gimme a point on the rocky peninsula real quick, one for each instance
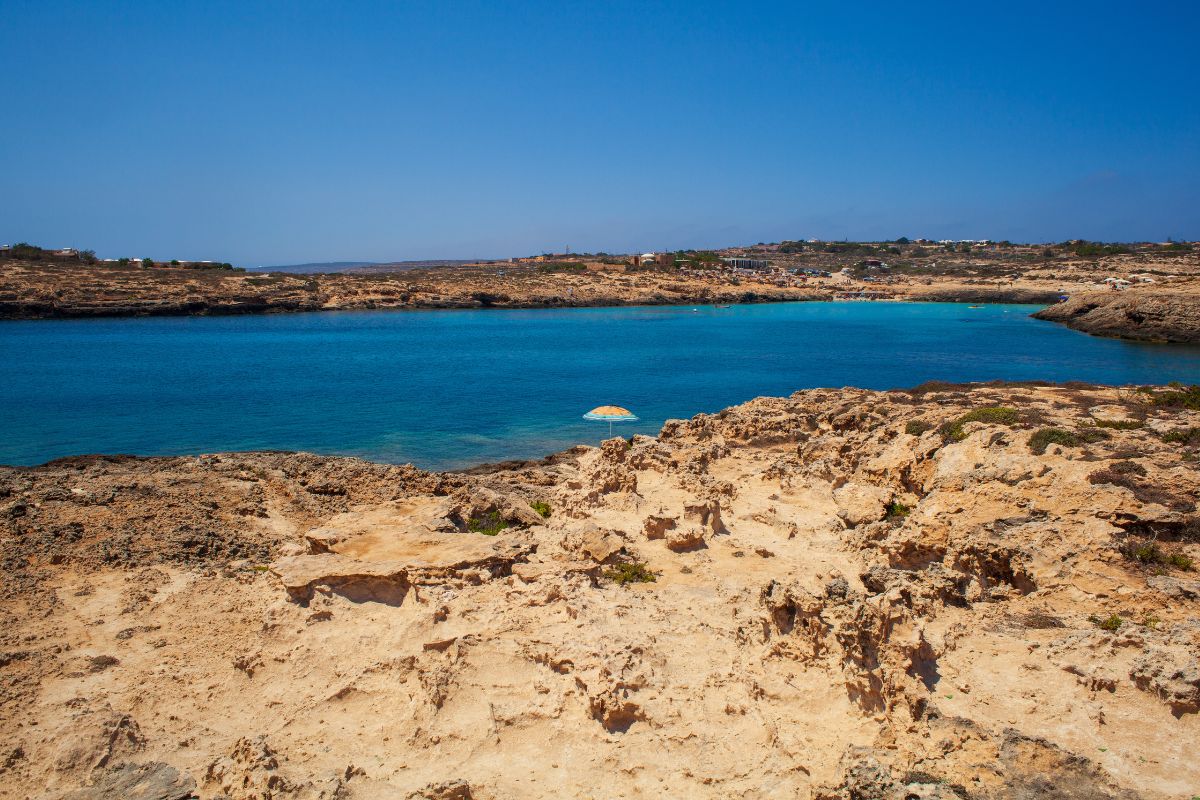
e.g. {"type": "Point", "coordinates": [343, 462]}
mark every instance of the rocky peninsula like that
{"type": "Point", "coordinates": [1148, 315]}
{"type": "Point", "coordinates": [954, 591]}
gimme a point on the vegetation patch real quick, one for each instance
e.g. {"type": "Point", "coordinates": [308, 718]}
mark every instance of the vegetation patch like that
{"type": "Point", "coordinates": [1111, 623]}
{"type": "Point", "coordinates": [1184, 436]}
{"type": "Point", "coordinates": [562, 266]}
{"type": "Point", "coordinates": [488, 524]}
{"type": "Point", "coordinates": [897, 511]}
{"type": "Point", "coordinates": [1177, 396]}
{"type": "Point", "coordinates": [541, 507]}
{"type": "Point", "coordinates": [630, 572]}
{"type": "Point", "coordinates": [991, 415]}
{"type": "Point", "coordinates": [917, 427]}
{"type": "Point", "coordinates": [1044, 437]}
{"type": "Point", "coordinates": [1120, 424]}
{"type": "Point", "coordinates": [1149, 553]}
{"type": "Point", "coordinates": [1040, 620]}
{"type": "Point", "coordinates": [1126, 468]}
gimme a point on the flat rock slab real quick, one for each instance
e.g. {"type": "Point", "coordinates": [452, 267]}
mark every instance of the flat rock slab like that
{"type": "Point", "coordinates": [382, 567]}
{"type": "Point", "coordinates": [151, 781]}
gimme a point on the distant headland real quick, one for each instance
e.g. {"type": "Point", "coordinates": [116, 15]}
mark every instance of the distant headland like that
{"type": "Point", "coordinates": [1148, 291]}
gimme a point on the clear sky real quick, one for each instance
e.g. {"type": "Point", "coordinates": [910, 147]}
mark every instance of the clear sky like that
{"type": "Point", "coordinates": [275, 133]}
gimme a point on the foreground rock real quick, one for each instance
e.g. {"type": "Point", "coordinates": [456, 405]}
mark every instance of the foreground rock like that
{"type": "Point", "coordinates": [954, 591]}
{"type": "Point", "coordinates": [1162, 316]}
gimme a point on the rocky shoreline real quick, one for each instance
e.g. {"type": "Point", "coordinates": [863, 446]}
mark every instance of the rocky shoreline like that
{"type": "Point", "coordinates": [981, 591]}
{"type": "Point", "coordinates": [1145, 315]}
{"type": "Point", "coordinates": [30, 291]}
{"type": "Point", "coordinates": [36, 291]}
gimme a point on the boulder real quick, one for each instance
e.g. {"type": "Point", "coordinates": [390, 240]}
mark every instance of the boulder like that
{"type": "Point", "coordinates": [859, 503]}
{"type": "Point", "coordinates": [683, 539]}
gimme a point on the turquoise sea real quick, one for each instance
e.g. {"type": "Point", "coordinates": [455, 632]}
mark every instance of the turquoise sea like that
{"type": "Point", "coordinates": [446, 389]}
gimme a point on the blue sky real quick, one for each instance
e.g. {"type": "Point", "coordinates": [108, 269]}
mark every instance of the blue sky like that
{"type": "Point", "coordinates": [271, 133]}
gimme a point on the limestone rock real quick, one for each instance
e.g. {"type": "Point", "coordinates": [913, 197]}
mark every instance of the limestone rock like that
{"type": "Point", "coordinates": [683, 539]}
{"type": "Point", "coordinates": [152, 780]}
{"type": "Point", "coordinates": [859, 503]}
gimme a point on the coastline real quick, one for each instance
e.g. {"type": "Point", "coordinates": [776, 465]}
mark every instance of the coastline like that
{"type": "Point", "coordinates": [32, 311]}
{"type": "Point", "coordinates": [1150, 316]}
{"type": "Point", "coordinates": [893, 553]}
{"type": "Point", "coordinates": [37, 291]}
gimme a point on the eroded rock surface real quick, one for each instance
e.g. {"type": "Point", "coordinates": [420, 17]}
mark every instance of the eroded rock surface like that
{"type": "Point", "coordinates": [839, 594]}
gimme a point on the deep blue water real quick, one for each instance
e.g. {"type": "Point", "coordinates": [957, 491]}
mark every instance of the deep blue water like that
{"type": "Point", "coordinates": [444, 389]}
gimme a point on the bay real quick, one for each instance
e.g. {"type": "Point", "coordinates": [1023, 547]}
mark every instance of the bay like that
{"type": "Point", "coordinates": [447, 389]}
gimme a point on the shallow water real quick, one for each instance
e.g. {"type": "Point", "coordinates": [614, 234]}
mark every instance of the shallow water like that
{"type": "Point", "coordinates": [446, 389]}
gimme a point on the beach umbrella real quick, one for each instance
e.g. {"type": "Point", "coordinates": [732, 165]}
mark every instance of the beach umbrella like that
{"type": "Point", "coordinates": [610, 414]}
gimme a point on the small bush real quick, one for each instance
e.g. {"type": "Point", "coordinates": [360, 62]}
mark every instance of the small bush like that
{"type": "Point", "coordinates": [897, 511]}
{"type": "Point", "coordinates": [541, 507]}
{"type": "Point", "coordinates": [1150, 554]}
{"type": "Point", "coordinates": [630, 572]}
{"type": "Point", "coordinates": [1110, 623]}
{"type": "Point", "coordinates": [917, 427]}
{"type": "Point", "coordinates": [992, 415]}
{"type": "Point", "coordinates": [1040, 620]}
{"type": "Point", "coordinates": [1179, 396]}
{"type": "Point", "coordinates": [1145, 553]}
{"type": "Point", "coordinates": [489, 524]}
{"type": "Point", "coordinates": [1044, 437]}
{"type": "Point", "coordinates": [1127, 468]}
{"type": "Point", "coordinates": [1120, 424]}
{"type": "Point", "coordinates": [1180, 561]}
{"type": "Point", "coordinates": [995, 415]}
{"type": "Point", "coordinates": [1092, 434]}
{"type": "Point", "coordinates": [1184, 436]}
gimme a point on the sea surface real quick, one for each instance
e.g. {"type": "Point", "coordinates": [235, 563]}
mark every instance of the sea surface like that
{"type": "Point", "coordinates": [447, 389]}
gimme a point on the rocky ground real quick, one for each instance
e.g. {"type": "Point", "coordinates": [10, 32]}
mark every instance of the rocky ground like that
{"type": "Point", "coordinates": [1154, 315]}
{"type": "Point", "coordinates": [981, 591]}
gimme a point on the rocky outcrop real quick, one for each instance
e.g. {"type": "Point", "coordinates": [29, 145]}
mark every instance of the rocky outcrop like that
{"type": "Point", "coordinates": [1148, 315]}
{"type": "Point", "coordinates": [841, 593]}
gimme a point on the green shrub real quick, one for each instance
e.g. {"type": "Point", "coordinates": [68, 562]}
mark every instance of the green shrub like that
{"type": "Point", "coordinates": [1185, 436]}
{"type": "Point", "coordinates": [1043, 438]}
{"type": "Point", "coordinates": [630, 572]}
{"type": "Point", "coordinates": [917, 427]}
{"type": "Point", "coordinates": [1149, 553]}
{"type": "Point", "coordinates": [1092, 434]}
{"type": "Point", "coordinates": [541, 507]}
{"type": "Point", "coordinates": [1178, 396]}
{"type": "Point", "coordinates": [1110, 623]}
{"type": "Point", "coordinates": [488, 524]}
{"type": "Point", "coordinates": [1120, 424]}
{"type": "Point", "coordinates": [992, 415]}
{"type": "Point", "coordinates": [1146, 553]}
{"type": "Point", "coordinates": [1180, 561]}
{"type": "Point", "coordinates": [897, 511]}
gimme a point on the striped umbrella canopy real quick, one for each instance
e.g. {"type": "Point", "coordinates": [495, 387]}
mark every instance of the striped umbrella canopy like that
{"type": "Point", "coordinates": [610, 414]}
